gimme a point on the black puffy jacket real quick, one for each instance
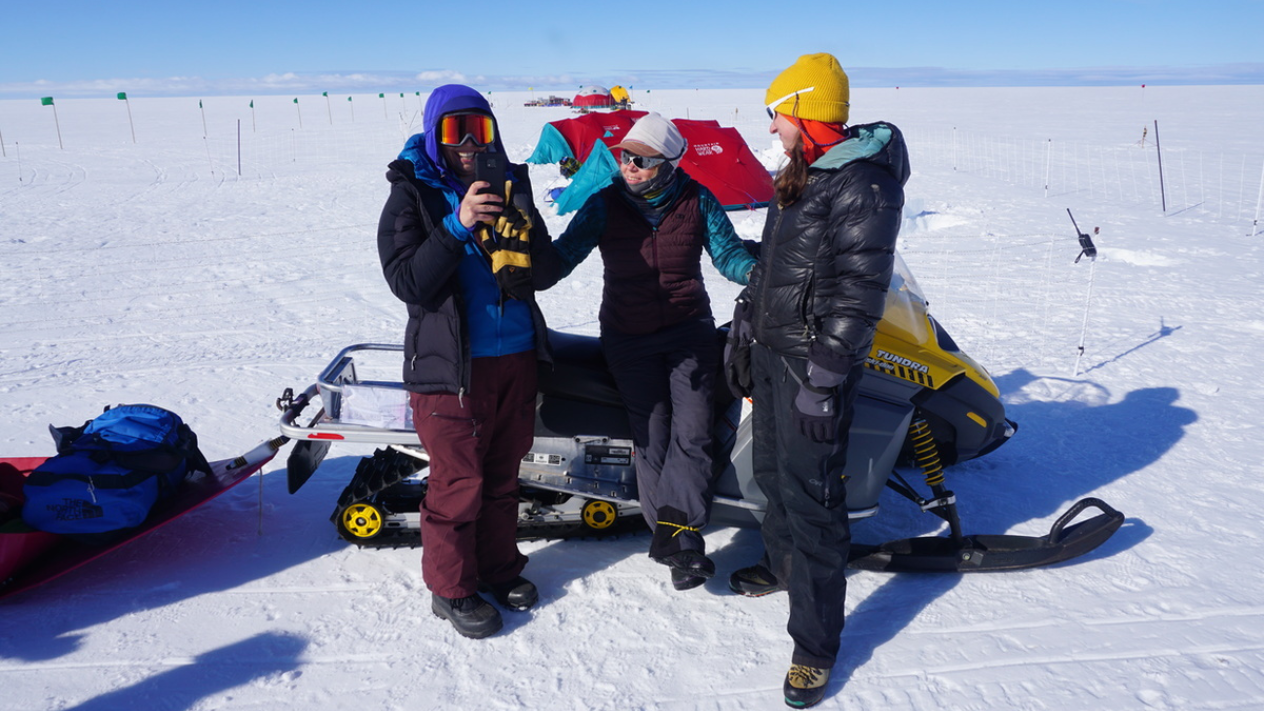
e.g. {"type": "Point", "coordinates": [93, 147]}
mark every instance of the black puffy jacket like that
{"type": "Point", "coordinates": [826, 260]}
{"type": "Point", "coordinates": [420, 259]}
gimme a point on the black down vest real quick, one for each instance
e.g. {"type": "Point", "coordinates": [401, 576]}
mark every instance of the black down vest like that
{"type": "Point", "coordinates": [653, 276]}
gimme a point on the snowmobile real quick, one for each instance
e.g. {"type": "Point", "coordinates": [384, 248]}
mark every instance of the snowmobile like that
{"type": "Point", "coordinates": [923, 405]}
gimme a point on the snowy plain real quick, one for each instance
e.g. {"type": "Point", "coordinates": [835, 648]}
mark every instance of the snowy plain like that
{"type": "Point", "coordinates": [158, 270]}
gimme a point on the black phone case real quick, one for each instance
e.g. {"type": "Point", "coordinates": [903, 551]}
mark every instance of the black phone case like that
{"type": "Point", "coordinates": [490, 167]}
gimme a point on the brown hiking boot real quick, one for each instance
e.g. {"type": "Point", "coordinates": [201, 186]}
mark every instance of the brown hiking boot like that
{"type": "Point", "coordinates": [755, 581]}
{"type": "Point", "coordinates": [804, 686]}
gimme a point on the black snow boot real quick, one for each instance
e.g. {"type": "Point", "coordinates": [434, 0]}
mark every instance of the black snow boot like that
{"type": "Point", "coordinates": [517, 594]}
{"type": "Point", "coordinates": [755, 581]}
{"type": "Point", "coordinates": [682, 580]}
{"type": "Point", "coordinates": [694, 563]}
{"type": "Point", "coordinates": [472, 616]}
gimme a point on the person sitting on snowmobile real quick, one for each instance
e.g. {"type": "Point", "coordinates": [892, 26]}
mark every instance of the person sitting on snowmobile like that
{"type": "Point", "coordinates": [461, 262]}
{"type": "Point", "coordinates": [811, 309]}
{"type": "Point", "coordinates": [657, 332]}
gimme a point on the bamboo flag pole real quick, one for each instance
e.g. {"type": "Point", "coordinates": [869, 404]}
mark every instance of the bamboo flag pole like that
{"type": "Point", "coordinates": [382, 96]}
{"type": "Point", "coordinates": [420, 110]}
{"type": "Point", "coordinates": [205, 133]}
{"type": "Point", "coordinates": [1258, 198]}
{"type": "Point", "coordinates": [122, 96]}
{"type": "Point", "coordinates": [48, 101]}
{"type": "Point", "coordinates": [352, 103]}
{"type": "Point", "coordinates": [253, 128]}
{"type": "Point", "coordinates": [1048, 162]}
{"type": "Point", "coordinates": [1159, 149]}
{"type": "Point", "coordinates": [329, 107]}
{"type": "Point", "coordinates": [300, 112]}
{"type": "Point", "coordinates": [3, 153]}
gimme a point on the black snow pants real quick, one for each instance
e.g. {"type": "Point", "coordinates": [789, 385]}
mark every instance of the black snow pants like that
{"type": "Point", "coordinates": [805, 530]}
{"type": "Point", "coordinates": [667, 382]}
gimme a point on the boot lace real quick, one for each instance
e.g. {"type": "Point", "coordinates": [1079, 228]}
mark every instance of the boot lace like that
{"type": "Point", "coordinates": [805, 677]}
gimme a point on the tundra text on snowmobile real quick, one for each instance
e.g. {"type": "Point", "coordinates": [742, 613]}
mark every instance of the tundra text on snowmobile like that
{"type": "Point", "coordinates": [923, 404]}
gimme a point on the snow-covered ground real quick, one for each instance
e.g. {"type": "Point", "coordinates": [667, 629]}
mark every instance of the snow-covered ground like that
{"type": "Point", "coordinates": [155, 272]}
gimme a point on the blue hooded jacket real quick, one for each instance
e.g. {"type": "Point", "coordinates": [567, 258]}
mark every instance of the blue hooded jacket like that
{"type": "Point", "coordinates": [496, 327]}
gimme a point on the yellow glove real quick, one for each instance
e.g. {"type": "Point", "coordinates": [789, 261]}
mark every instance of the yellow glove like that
{"type": "Point", "coordinates": [508, 242]}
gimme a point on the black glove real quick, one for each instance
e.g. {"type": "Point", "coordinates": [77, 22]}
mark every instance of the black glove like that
{"type": "Point", "coordinates": [815, 406]}
{"type": "Point", "coordinates": [737, 356]}
{"type": "Point", "coordinates": [814, 412]}
{"type": "Point", "coordinates": [508, 242]}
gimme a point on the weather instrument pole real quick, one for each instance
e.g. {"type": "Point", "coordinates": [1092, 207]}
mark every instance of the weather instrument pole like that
{"type": "Point", "coordinates": [1087, 249]}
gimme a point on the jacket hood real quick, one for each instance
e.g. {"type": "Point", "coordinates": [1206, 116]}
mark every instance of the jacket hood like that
{"type": "Point", "coordinates": [445, 100]}
{"type": "Point", "coordinates": [879, 143]}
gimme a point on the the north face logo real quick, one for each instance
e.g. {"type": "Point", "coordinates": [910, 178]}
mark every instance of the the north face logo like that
{"type": "Point", "coordinates": [75, 510]}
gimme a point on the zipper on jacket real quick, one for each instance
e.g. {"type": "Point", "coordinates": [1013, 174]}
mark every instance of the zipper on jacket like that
{"type": "Point", "coordinates": [662, 309]}
{"type": "Point", "coordinates": [763, 287]}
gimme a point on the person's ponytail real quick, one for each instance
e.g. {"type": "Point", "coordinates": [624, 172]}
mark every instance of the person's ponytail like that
{"type": "Point", "coordinates": [792, 179]}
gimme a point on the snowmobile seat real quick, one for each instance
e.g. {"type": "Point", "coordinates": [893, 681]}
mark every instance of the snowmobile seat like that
{"type": "Point", "coordinates": [579, 371]}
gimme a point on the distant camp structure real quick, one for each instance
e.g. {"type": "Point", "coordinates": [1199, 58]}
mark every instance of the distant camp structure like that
{"type": "Point", "coordinates": [592, 96]}
{"type": "Point", "coordinates": [716, 156]}
{"type": "Point", "coordinates": [621, 97]}
{"type": "Point", "coordinates": [549, 101]}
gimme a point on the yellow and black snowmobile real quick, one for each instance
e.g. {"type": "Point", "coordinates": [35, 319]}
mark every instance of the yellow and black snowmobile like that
{"type": "Point", "coordinates": [923, 405]}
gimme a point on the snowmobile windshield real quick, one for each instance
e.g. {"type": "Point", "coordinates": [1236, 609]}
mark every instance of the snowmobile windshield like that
{"type": "Point", "coordinates": [905, 315]}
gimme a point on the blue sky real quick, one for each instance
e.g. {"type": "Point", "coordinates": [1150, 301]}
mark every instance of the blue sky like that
{"type": "Point", "coordinates": [78, 48]}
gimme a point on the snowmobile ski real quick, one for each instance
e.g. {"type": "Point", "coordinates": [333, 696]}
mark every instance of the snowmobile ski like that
{"type": "Point", "coordinates": [982, 553]}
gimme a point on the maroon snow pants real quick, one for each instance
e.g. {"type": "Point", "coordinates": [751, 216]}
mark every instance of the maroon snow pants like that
{"type": "Point", "coordinates": [469, 517]}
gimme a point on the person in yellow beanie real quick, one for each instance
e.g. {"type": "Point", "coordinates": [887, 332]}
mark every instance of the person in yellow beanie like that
{"type": "Point", "coordinates": [801, 332]}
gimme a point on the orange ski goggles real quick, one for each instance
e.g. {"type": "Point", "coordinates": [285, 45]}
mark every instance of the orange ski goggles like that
{"type": "Point", "coordinates": [455, 128]}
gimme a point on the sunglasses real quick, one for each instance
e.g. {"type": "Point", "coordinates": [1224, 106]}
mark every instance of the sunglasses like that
{"type": "Point", "coordinates": [772, 114]}
{"type": "Point", "coordinates": [642, 162]}
{"type": "Point", "coordinates": [455, 128]}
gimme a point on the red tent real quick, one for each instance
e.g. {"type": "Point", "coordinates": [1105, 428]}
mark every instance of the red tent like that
{"type": "Point", "coordinates": [582, 132]}
{"type": "Point", "coordinates": [717, 157]}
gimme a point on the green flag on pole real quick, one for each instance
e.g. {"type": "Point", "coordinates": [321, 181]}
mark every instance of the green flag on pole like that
{"type": "Point", "coordinates": [325, 94]}
{"type": "Point", "coordinates": [380, 96]}
{"type": "Point", "coordinates": [122, 96]}
{"type": "Point", "coordinates": [296, 99]}
{"type": "Point", "coordinates": [348, 98]}
{"type": "Point", "coordinates": [199, 103]}
{"type": "Point", "coordinates": [252, 103]}
{"type": "Point", "coordinates": [46, 101]}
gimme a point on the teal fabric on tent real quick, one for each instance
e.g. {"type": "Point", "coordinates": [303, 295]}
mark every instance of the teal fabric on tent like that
{"type": "Point", "coordinates": [552, 147]}
{"type": "Point", "coordinates": [597, 172]}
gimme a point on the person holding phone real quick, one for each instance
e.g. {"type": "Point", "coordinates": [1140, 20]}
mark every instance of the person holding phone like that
{"type": "Point", "coordinates": [458, 252]}
{"type": "Point", "coordinates": [657, 332]}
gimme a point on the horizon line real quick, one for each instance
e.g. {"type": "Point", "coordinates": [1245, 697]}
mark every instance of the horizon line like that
{"type": "Point", "coordinates": [1243, 73]}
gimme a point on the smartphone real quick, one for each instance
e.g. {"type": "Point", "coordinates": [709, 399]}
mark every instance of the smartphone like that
{"type": "Point", "coordinates": [490, 168]}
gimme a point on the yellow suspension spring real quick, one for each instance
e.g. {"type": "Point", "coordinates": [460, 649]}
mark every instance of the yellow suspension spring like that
{"type": "Point", "coordinates": [925, 452]}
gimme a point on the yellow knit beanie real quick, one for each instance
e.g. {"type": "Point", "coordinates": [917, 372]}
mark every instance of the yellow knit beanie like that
{"type": "Point", "coordinates": [821, 86]}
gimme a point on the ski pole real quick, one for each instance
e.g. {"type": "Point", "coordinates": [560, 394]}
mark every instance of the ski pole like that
{"type": "Point", "coordinates": [1087, 249]}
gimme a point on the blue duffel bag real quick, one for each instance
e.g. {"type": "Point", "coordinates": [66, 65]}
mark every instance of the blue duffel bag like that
{"type": "Point", "coordinates": [110, 473]}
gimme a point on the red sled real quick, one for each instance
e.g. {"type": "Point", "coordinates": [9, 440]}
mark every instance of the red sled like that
{"type": "Point", "coordinates": [29, 558]}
